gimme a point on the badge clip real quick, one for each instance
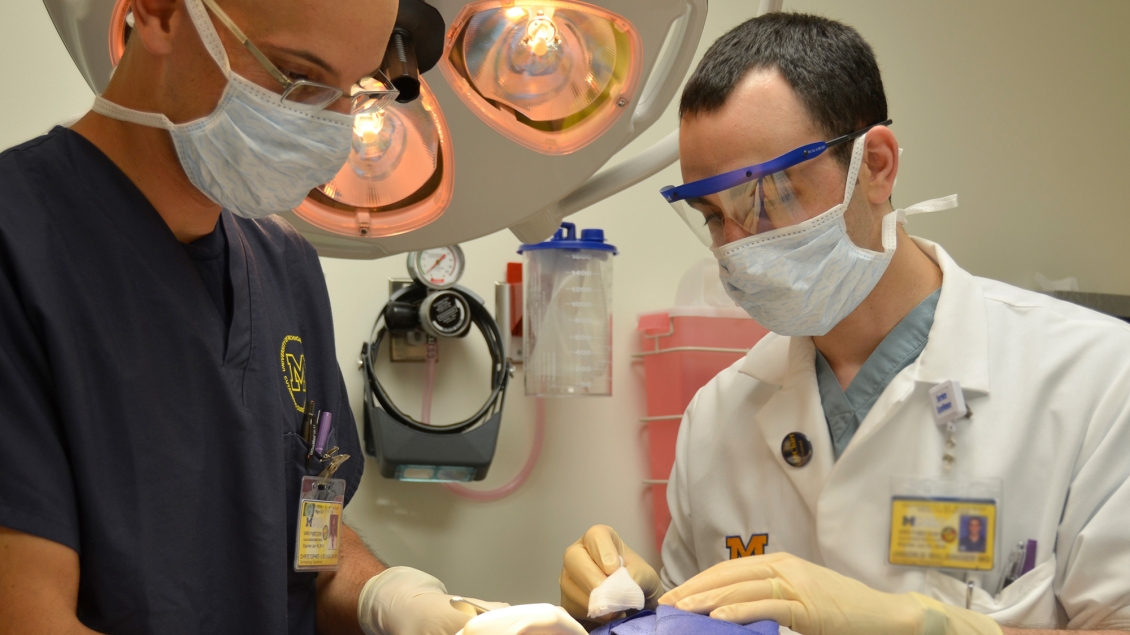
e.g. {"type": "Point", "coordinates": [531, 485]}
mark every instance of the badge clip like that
{"type": "Point", "coordinates": [335, 461]}
{"type": "Point", "coordinates": [947, 402]}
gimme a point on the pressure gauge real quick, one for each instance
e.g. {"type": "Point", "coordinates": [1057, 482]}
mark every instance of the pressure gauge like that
{"type": "Point", "coordinates": [438, 268]}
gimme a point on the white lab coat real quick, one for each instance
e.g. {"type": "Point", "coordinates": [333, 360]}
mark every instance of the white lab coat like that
{"type": "Point", "coordinates": [1049, 386]}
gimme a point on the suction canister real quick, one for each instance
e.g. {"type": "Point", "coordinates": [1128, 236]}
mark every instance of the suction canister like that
{"type": "Point", "coordinates": [567, 323]}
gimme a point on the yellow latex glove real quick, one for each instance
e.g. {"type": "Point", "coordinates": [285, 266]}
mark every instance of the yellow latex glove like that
{"type": "Point", "coordinates": [406, 601]}
{"type": "Point", "coordinates": [525, 619]}
{"type": "Point", "coordinates": [813, 600]}
{"type": "Point", "coordinates": [590, 561]}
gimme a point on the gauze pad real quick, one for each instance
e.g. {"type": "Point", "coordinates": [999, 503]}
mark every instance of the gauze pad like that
{"type": "Point", "coordinates": [618, 593]}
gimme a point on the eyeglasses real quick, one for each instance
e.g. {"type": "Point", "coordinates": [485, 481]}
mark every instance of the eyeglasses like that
{"type": "Point", "coordinates": [369, 94]}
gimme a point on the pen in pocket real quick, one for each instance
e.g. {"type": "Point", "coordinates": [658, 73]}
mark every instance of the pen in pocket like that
{"type": "Point", "coordinates": [1020, 561]}
{"type": "Point", "coordinates": [323, 433]}
{"type": "Point", "coordinates": [308, 422]}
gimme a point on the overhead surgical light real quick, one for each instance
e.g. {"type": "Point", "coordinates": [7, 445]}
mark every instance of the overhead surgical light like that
{"type": "Point", "coordinates": [552, 75]}
{"type": "Point", "coordinates": [398, 177]}
{"type": "Point", "coordinates": [573, 96]}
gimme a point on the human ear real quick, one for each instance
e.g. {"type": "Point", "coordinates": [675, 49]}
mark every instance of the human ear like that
{"type": "Point", "coordinates": [155, 23]}
{"type": "Point", "coordinates": [881, 156]}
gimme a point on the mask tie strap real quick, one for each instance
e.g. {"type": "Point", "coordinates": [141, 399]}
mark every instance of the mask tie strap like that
{"type": "Point", "coordinates": [208, 35]}
{"type": "Point", "coordinates": [927, 207]}
{"type": "Point", "coordinates": [109, 109]}
{"type": "Point", "coordinates": [890, 238]}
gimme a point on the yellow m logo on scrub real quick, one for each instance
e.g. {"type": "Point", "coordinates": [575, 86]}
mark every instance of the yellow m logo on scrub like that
{"type": "Point", "coordinates": [292, 360]}
{"type": "Point", "coordinates": [297, 368]}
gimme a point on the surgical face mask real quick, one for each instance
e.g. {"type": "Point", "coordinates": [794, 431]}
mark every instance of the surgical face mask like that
{"type": "Point", "coordinates": [804, 279]}
{"type": "Point", "coordinates": [254, 155]}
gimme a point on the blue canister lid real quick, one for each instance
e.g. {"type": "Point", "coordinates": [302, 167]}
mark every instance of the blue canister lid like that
{"type": "Point", "coordinates": [566, 238]}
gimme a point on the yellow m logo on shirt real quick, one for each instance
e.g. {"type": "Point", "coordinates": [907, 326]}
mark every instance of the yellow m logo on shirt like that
{"type": "Point", "coordinates": [297, 375]}
{"type": "Point", "coordinates": [755, 546]}
{"type": "Point", "coordinates": [292, 362]}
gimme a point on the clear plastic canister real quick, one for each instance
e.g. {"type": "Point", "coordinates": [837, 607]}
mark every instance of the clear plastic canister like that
{"type": "Point", "coordinates": [567, 321]}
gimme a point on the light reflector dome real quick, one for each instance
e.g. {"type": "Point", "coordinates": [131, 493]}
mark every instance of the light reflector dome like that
{"type": "Point", "coordinates": [398, 177]}
{"type": "Point", "coordinates": [550, 75]}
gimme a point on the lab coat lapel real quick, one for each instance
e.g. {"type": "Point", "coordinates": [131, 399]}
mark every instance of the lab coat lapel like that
{"type": "Point", "coordinates": [789, 362]}
{"type": "Point", "coordinates": [958, 348]}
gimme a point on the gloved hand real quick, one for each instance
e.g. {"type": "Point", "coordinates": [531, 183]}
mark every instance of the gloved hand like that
{"type": "Point", "coordinates": [593, 558]}
{"type": "Point", "coordinates": [525, 619]}
{"type": "Point", "coordinates": [813, 600]}
{"type": "Point", "coordinates": [406, 601]}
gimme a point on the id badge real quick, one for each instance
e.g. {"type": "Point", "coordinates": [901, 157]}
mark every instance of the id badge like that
{"type": "Point", "coordinates": [944, 524]}
{"type": "Point", "coordinates": [318, 537]}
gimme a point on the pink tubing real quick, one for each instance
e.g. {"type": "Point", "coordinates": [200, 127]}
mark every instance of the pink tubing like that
{"type": "Point", "coordinates": [484, 496]}
{"type": "Point", "coordinates": [429, 381]}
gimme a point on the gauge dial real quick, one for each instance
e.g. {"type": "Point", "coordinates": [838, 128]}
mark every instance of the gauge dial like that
{"type": "Point", "coordinates": [438, 268]}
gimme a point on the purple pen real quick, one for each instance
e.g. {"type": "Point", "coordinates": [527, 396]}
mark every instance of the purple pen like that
{"type": "Point", "coordinates": [1029, 557]}
{"type": "Point", "coordinates": [323, 433]}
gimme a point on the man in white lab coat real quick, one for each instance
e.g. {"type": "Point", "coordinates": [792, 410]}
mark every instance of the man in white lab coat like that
{"type": "Point", "coordinates": [901, 410]}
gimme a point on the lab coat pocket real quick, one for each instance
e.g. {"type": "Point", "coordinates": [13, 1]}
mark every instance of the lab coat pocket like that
{"type": "Point", "coordinates": [1028, 602]}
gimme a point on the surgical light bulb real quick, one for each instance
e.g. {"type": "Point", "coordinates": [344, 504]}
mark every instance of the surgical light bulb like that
{"type": "Point", "coordinates": [552, 75]}
{"type": "Point", "coordinates": [367, 126]}
{"type": "Point", "coordinates": [368, 143]}
{"type": "Point", "coordinates": [398, 176]}
{"type": "Point", "coordinates": [366, 130]}
{"type": "Point", "coordinates": [541, 34]}
{"type": "Point", "coordinates": [395, 153]}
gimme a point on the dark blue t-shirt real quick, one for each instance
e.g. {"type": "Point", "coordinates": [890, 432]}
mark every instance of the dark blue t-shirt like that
{"type": "Point", "coordinates": [138, 429]}
{"type": "Point", "coordinates": [209, 254]}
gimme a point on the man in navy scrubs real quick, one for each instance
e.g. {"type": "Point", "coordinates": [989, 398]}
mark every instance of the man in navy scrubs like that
{"type": "Point", "coordinates": [161, 337]}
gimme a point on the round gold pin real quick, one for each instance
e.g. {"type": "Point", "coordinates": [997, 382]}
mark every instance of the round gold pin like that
{"type": "Point", "coordinates": [797, 449]}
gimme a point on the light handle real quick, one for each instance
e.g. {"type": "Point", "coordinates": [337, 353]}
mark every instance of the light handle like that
{"type": "Point", "coordinates": [668, 73]}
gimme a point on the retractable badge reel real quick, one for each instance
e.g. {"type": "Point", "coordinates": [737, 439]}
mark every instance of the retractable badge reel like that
{"type": "Point", "coordinates": [945, 522]}
{"type": "Point", "coordinates": [948, 403]}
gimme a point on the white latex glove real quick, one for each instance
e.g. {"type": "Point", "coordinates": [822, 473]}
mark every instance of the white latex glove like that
{"type": "Point", "coordinates": [406, 601]}
{"type": "Point", "coordinates": [525, 619]}
{"type": "Point", "coordinates": [813, 600]}
{"type": "Point", "coordinates": [590, 561]}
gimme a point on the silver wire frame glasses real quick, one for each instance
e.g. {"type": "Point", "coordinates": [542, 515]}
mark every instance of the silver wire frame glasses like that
{"type": "Point", "coordinates": [369, 94]}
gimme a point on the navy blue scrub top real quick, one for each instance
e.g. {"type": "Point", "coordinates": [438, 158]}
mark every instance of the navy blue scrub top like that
{"type": "Point", "coordinates": [137, 428]}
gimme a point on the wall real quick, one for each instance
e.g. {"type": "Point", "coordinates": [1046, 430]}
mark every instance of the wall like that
{"type": "Point", "coordinates": [1018, 106]}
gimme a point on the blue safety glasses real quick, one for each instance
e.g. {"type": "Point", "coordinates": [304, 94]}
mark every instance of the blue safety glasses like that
{"type": "Point", "coordinates": [758, 198]}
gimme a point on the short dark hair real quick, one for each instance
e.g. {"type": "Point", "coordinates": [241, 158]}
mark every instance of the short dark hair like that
{"type": "Point", "coordinates": [828, 64]}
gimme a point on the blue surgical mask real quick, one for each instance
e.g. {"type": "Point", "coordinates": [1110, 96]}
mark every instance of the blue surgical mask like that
{"type": "Point", "coordinates": [804, 279]}
{"type": "Point", "coordinates": [253, 155]}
